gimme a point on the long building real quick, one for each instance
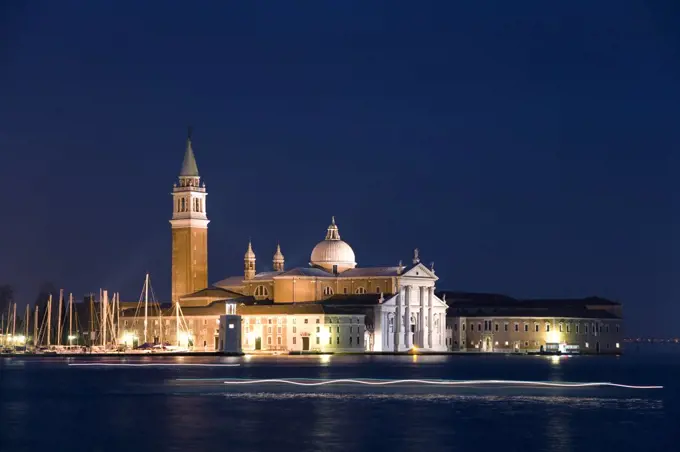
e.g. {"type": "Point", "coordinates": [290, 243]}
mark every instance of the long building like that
{"type": "Point", "coordinates": [498, 323]}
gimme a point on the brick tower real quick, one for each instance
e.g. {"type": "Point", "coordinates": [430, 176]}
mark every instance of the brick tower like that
{"type": "Point", "coordinates": [189, 229]}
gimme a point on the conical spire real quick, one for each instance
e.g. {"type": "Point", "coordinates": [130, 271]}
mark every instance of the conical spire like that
{"type": "Point", "coordinates": [189, 167]}
{"type": "Point", "coordinates": [250, 254]}
{"type": "Point", "coordinates": [278, 260]}
{"type": "Point", "coordinates": [333, 233]}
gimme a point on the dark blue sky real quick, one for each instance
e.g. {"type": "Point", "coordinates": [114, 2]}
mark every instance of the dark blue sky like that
{"type": "Point", "coordinates": [528, 148]}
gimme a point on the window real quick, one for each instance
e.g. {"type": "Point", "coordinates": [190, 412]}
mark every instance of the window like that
{"type": "Point", "coordinates": [586, 328]}
{"type": "Point", "coordinates": [577, 328]}
{"type": "Point", "coordinates": [344, 290]}
{"type": "Point", "coordinates": [561, 327]}
{"type": "Point", "coordinates": [269, 329]}
{"type": "Point", "coordinates": [294, 321]}
{"type": "Point", "coordinates": [278, 340]}
{"type": "Point", "coordinates": [360, 290]}
{"type": "Point", "coordinates": [496, 327]}
{"type": "Point", "coordinates": [505, 327]}
{"type": "Point", "coordinates": [294, 330]}
{"type": "Point", "coordinates": [526, 343]}
{"type": "Point", "coordinates": [337, 341]}
{"type": "Point", "coordinates": [278, 330]}
{"type": "Point", "coordinates": [327, 291]}
{"type": "Point", "coordinates": [526, 327]}
{"type": "Point", "coordinates": [318, 341]}
{"type": "Point", "coordinates": [261, 291]}
{"type": "Point", "coordinates": [269, 340]}
{"type": "Point", "coordinates": [358, 340]}
{"type": "Point", "coordinates": [350, 340]}
{"type": "Point", "coordinates": [377, 289]}
{"type": "Point", "coordinates": [455, 327]}
{"type": "Point", "coordinates": [306, 320]}
{"type": "Point", "coordinates": [318, 329]}
{"type": "Point", "coordinates": [338, 330]}
{"type": "Point", "coordinates": [568, 327]}
{"type": "Point", "coordinates": [516, 327]}
{"type": "Point", "coordinates": [231, 326]}
{"type": "Point", "coordinates": [547, 327]}
{"type": "Point", "coordinates": [318, 320]}
{"type": "Point", "coordinates": [294, 340]}
{"type": "Point", "coordinates": [479, 327]}
{"type": "Point", "coordinates": [536, 327]}
{"type": "Point", "coordinates": [607, 328]}
{"type": "Point", "coordinates": [617, 330]}
{"type": "Point", "coordinates": [205, 321]}
{"type": "Point", "coordinates": [463, 326]}
{"type": "Point", "coordinates": [472, 327]}
{"type": "Point", "coordinates": [330, 341]}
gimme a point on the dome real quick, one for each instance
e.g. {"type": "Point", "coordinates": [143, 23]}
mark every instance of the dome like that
{"type": "Point", "coordinates": [333, 253]}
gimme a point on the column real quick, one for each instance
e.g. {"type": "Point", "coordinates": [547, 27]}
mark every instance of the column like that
{"type": "Point", "coordinates": [408, 337]}
{"type": "Point", "coordinates": [378, 336]}
{"type": "Point", "coordinates": [422, 334]}
{"type": "Point", "coordinates": [430, 316]}
{"type": "Point", "coordinates": [397, 321]}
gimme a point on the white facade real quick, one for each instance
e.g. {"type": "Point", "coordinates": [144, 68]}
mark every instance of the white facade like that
{"type": "Point", "coordinates": [414, 318]}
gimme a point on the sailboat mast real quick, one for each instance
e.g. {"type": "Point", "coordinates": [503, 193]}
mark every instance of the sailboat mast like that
{"type": "Point", "coordinates": [61, 301]}
{"type": "Point", "coordinates": [91, 320]}
{"type": "Point", "coordinates": [177, 319]}
{"type": "Point", "coordinates": [105, 307]}
{"type": "Point", "coordinates": [26, 320]}
{"type": "Point", "coordinates": [36, 331]}
{"type": "Point", "coordinates": [146, 305]}
{"type": "Point", "coordinates": [70, 318]}
{"type": "Point", "coordinates": [49, 320]}
{"type": "Point", "coordinates": [14, 324]}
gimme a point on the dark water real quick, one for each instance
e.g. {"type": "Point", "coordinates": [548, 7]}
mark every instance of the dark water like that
{"type": "Point", "coordinates": [47, 405]}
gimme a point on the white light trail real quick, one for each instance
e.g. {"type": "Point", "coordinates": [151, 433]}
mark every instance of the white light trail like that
{"type": "Point", "coordinates": [149, 365]}
{"type": "Point", "coordinates": [437, 383]}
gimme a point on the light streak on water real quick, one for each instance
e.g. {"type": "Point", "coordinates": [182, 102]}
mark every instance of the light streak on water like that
{"type": "Point", "coordinates": [149, 365]}
{"type": "Point", "coordinates": [448, 383]}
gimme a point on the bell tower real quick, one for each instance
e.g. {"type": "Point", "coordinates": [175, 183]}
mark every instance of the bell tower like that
{"type": "Point", "coordinates": [189, 229]}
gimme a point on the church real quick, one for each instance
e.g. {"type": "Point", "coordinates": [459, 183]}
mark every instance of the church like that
{"type": "Point", "coordinates": [332, 305]}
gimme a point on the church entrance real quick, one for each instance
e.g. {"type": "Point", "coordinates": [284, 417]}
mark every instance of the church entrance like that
{"type": "Point", "coordinates": [258, 343]}
{"type": "Point", "coordinates": [305, 343]}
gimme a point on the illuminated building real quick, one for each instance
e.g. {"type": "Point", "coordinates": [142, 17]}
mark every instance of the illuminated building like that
{"type": "Point", "coordinates": [330, 305]}
{"type": "Point", "coordinates": [497, 323]}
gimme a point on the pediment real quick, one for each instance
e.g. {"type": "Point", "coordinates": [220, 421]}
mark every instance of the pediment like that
{"type": "Point", "coordinates": [419, 271]}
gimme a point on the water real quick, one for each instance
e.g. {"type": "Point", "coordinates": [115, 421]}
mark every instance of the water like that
{"type": "Point", "coordinates": [45, 405]}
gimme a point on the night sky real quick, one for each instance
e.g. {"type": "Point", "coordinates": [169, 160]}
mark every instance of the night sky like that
{"type": "Point", "coordinates": [528, 148]}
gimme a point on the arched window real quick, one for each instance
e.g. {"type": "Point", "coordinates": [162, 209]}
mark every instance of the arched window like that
{"type": "Point", "coordinates": [183, 204]}
{"type": "Point", "coordinates": [547, 327]}
{"type": "Point", "coordinates": [377, 289]}
{"type": "Point", "coordinates": [360, 290]}
{"type": "Point", "coordinates": [327, 290]}
{"type": "Point", "coordinates": [261, 291]}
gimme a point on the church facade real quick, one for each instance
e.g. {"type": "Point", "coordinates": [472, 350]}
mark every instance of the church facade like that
{"type": "Point", "coordinates": [331, 305]}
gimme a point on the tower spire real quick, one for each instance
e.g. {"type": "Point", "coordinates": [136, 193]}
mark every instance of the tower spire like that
{"type": "Point", "coordinates": [189, 167]}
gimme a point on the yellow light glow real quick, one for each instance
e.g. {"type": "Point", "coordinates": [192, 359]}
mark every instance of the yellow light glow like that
{"type": "Point", "coordinates": [553, 337]}
{"type": "Point", "coordinates": [325, 359]}
{"type": "Point", "coordinates": [555, 360]}
{"type": "Point", "coordinates": [18, 340]}
{"type": "Point", "coordinates": [184, 338]}
{"type": "Point", "coordinates": [128, 338]}
{"type": "Point", "coordinates": [618, 345]}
